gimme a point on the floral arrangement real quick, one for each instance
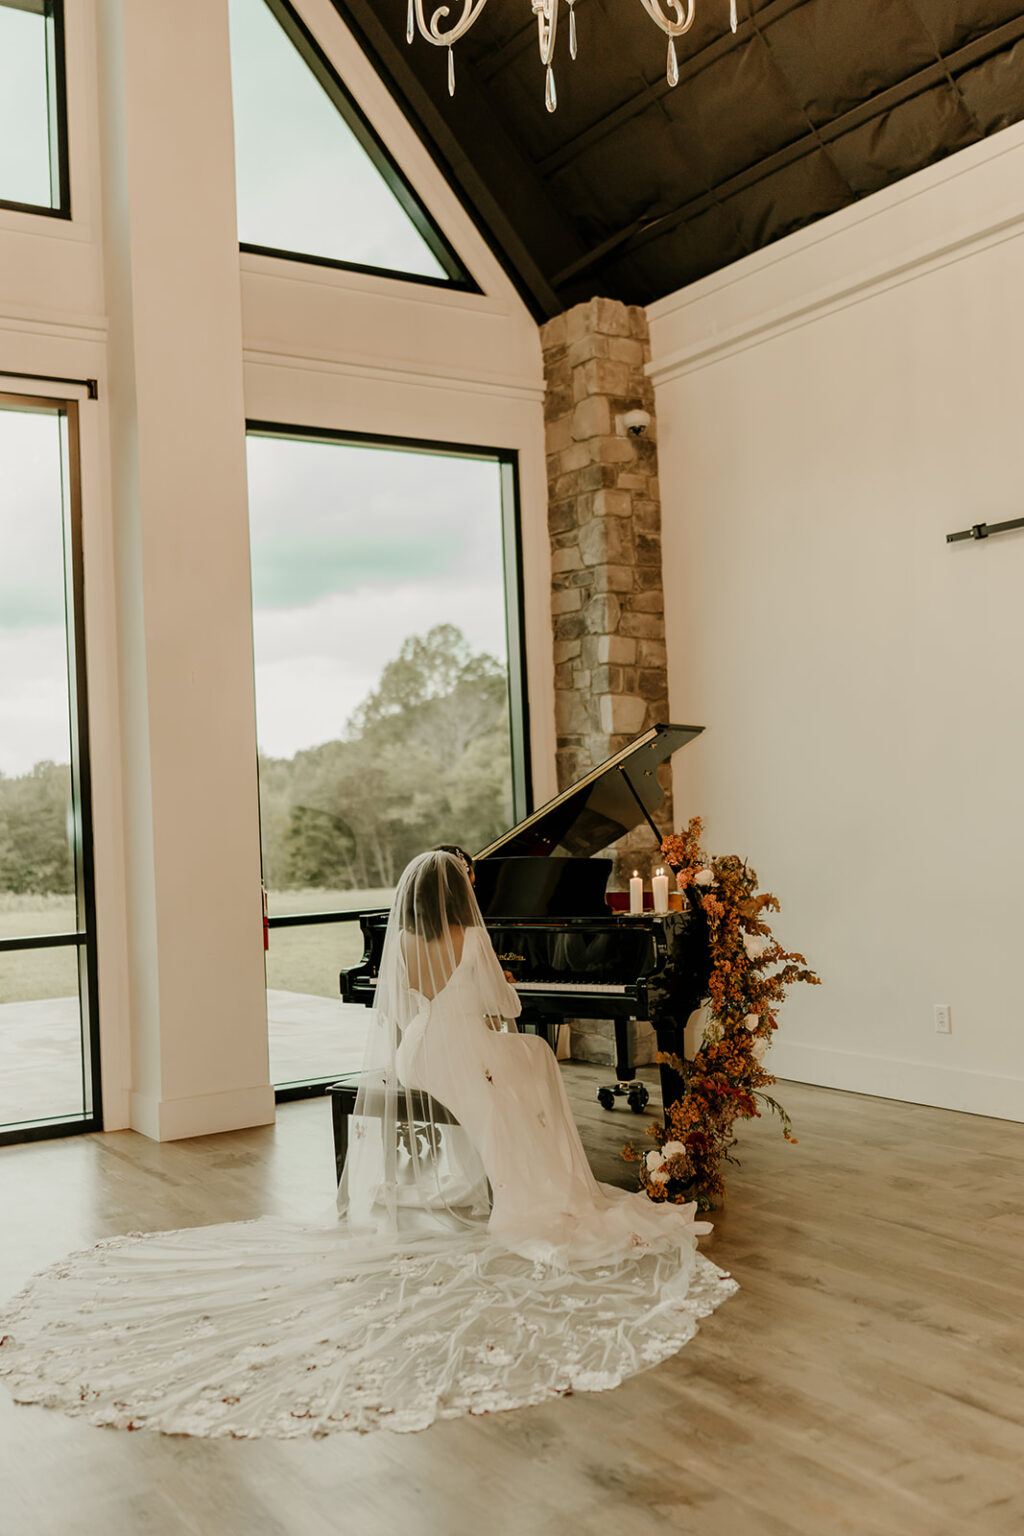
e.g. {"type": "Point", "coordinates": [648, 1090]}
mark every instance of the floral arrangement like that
{"type": "Point", "coordinates": [725, 1080]}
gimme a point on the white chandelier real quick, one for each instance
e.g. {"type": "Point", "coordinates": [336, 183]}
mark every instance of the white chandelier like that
{"type": "Point", "coordinates": [444, 33]}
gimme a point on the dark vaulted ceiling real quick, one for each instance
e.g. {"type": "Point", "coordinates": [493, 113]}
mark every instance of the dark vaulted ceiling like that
{"type": "Point", "coordinates": [632, 189]}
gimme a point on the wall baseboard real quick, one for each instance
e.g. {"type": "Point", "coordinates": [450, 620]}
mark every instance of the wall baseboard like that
{"type": "Point", "coordinates": [911, 1082]}
{"type": "Point", "coordinates": [204, 1115]}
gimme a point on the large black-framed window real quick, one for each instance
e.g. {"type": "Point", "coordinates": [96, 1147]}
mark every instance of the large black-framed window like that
{"type": "Point", "coordinates": [49, 1021]}
{"type": "Point", "coordinates": [390, 695]}
{"type": "Point", "coordinates": [34, 174]}
{"type": "Point", "coordinates": [315, 182]}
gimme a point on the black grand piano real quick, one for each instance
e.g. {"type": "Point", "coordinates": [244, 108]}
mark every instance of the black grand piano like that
{"type": "Point", "coordinates": [541, 888]}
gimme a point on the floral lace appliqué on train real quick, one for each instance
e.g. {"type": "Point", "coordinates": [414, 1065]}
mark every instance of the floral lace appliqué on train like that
{"type": "Point", "coordinates": [268, 1329]}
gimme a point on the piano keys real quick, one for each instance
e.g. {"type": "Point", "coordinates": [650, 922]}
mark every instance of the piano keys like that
{"type": "Point", "coordinates": [542, 890]}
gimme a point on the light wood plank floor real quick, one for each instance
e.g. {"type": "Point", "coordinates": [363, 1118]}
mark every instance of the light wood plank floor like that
{"type": "Point", "coordinates": [867, 1379]}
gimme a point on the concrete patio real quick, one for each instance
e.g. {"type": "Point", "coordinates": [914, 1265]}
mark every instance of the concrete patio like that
{"type": "Point", "coordinates": [41, 1057]}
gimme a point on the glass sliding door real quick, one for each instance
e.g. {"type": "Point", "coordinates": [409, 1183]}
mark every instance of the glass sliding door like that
{"type": "Point", "coordinates": [49, 1064]}
{"type": "Point", "coordinates": [389, 697]}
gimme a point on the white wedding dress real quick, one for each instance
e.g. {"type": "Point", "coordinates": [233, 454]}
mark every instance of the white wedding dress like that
{"type": "Point", "coordinates": [477, 1264]}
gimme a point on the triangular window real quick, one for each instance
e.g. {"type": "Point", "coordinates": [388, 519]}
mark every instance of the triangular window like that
{"type": "Point", "coordinates": [314, 181]}
{"type": "Point", "coordinates": [33, 117]}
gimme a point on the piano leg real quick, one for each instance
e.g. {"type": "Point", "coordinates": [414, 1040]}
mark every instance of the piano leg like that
{"type": "Point", "coordinates": [624, 1069]}
{"type": "Point", "coordinates": [541, 1025]}
{"type": "Point", "coordinates": [625, 1085]}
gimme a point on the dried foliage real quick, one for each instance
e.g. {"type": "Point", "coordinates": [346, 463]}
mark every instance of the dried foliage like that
{"type": "Point", "coordinates": [726, 1080]}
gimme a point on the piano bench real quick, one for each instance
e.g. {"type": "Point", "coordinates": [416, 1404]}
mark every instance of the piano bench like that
{"type": "Point", "coordinates": [343, 1104]}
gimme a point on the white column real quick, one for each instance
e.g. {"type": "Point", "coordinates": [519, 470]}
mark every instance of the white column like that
{"type": "Point", "coordinates": [198, 1001]}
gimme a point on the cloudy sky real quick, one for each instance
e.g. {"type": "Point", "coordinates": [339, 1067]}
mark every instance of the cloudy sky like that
{"type": "Point", "coordinates": [24, 134]}
{"type": "Point", "coordinates": [33, 664]}
{"type": "Point", "coordinates": [304, 183]}
{"type": "Point", "coordinates": [353, 550]}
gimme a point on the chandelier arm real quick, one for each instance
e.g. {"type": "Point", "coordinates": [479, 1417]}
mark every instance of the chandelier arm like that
{"type": "Point", "coordinates": [435, 31]}
{"type": "Point", "coordinates": [684, 17]}
{"type": "Point", "coordinates": [547, 28]}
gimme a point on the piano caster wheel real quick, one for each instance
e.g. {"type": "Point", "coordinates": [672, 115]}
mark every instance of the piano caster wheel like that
{"type": "Point", "coordinates": [634, 1093]}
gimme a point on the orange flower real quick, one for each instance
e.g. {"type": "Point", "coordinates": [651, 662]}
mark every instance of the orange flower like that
{"type": "Point", "coordinates": [725, 1082]}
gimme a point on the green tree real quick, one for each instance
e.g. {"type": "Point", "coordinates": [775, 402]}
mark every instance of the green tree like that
{"type": "Point", "coordinates": [424, 759]}
{"type": "Point", "coordinates": [35, 848]}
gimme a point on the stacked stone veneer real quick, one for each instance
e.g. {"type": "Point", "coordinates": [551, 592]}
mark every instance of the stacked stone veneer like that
{"type": "Point", "coordinates": [607, 601]}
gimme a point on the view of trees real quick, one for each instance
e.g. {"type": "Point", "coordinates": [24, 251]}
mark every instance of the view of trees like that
{"type": "Point", "coordinates": [423, 760]}
{"type": "Point", "coordinates": [35, 850]}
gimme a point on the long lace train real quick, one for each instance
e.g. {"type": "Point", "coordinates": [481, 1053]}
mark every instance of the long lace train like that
{"type": "Point", "coordinates": [268, 1328]}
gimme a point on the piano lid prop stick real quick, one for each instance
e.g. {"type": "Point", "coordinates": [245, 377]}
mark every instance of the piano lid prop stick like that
{"type": "Point", "coordinates": [636, 896]}
{"type": "Point", "coordinates": [659, 885]}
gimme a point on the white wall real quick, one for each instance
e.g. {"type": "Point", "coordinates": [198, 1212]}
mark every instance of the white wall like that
{"type": "Point", "coordinates": [828, 409]}
{"type": "Point", "coordinates": [145, 271]}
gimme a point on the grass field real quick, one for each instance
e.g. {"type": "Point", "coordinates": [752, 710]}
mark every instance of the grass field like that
{"type": "Point", "coordinates": [309, 959]}
{"type": "Point", "coordinates": [26, 975]}
{"type": "Point", "coordinates": [299, 960]}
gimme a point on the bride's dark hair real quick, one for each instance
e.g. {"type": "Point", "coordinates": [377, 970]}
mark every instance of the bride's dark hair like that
{"type": "Point", "coordinates": [437, 895]}
{"type": "Point", "coordinates": [460, 853]}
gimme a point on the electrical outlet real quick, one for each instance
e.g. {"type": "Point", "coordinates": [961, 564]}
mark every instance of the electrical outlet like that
{"type": "Point", "coordinates": [943, 1022]}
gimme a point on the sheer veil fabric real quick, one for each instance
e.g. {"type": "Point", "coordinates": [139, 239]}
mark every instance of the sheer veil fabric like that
{"type": "Point", "coordinates": [474, 1264]}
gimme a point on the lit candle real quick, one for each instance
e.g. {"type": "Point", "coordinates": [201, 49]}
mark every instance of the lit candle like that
{"type": "Point", "coordinates": [659, 885]}
{"type": "Point", "coordinates": [636, 895]}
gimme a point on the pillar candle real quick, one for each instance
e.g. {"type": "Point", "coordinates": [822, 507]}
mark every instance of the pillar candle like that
{"type": "Point", "coordinates": [659, 885]}
{"type": "Point", "coordinates": [636, 895]}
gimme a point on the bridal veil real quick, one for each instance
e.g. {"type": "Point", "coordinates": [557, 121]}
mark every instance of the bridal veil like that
{"type": "Point", "coordinates": [476, 1263]}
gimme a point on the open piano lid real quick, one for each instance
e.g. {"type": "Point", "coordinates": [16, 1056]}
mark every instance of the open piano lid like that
{"type": "Point", "coordinates": [609, 802]}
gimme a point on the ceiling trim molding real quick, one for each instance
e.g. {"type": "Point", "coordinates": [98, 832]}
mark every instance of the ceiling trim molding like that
{"type": "Point", "coordinates": [411, 372]}
{"type": "Point", "coordinates": [20, 320]}
{"type": "Point", "coordinates": [788, 317]}
{"type": "Point", "coordinates": [1000, 223]}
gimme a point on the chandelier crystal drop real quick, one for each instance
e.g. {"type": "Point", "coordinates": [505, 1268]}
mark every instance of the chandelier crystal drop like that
{"type": "Point", "coordinates": [440, 27]}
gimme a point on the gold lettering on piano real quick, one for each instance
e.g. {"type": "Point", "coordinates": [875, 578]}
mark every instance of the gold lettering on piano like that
{"type": "Point", "coordinates": [511, 955]}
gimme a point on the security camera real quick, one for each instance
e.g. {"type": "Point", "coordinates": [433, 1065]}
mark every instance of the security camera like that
{"type": "Point", "coordinates": [636, 422]}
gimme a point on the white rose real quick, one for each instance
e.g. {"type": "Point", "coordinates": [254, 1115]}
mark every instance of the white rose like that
{"type": "Point", "coordinates": [752, 1020]}
{"type": "Point", "coordinates": [695, 1032]}
{"type": "Point", "coordinates": [672, 1149]}
{"type": "Point", "coordinates": [653, 1160]}
{"type": "Point", "coordinates": [755, 945]}
{"type": "Point", "coordinates": [761, 1046]}
{"type": "Point", "coordinates": [704, 877]}
{"type": "Point", "coordinates": [658, 1178]}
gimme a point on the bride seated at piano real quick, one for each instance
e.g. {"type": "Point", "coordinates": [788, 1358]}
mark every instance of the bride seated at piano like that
{"type": "Point", "coordinates": [477, 1264]}
{"type": "Point", "coordinates": [446, 1029]}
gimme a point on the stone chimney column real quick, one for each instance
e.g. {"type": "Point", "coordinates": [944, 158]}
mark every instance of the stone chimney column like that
{"type": "Point", "coordinates": [608, 605]}
{"type": "Point", "coordinates": [604, 518]}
